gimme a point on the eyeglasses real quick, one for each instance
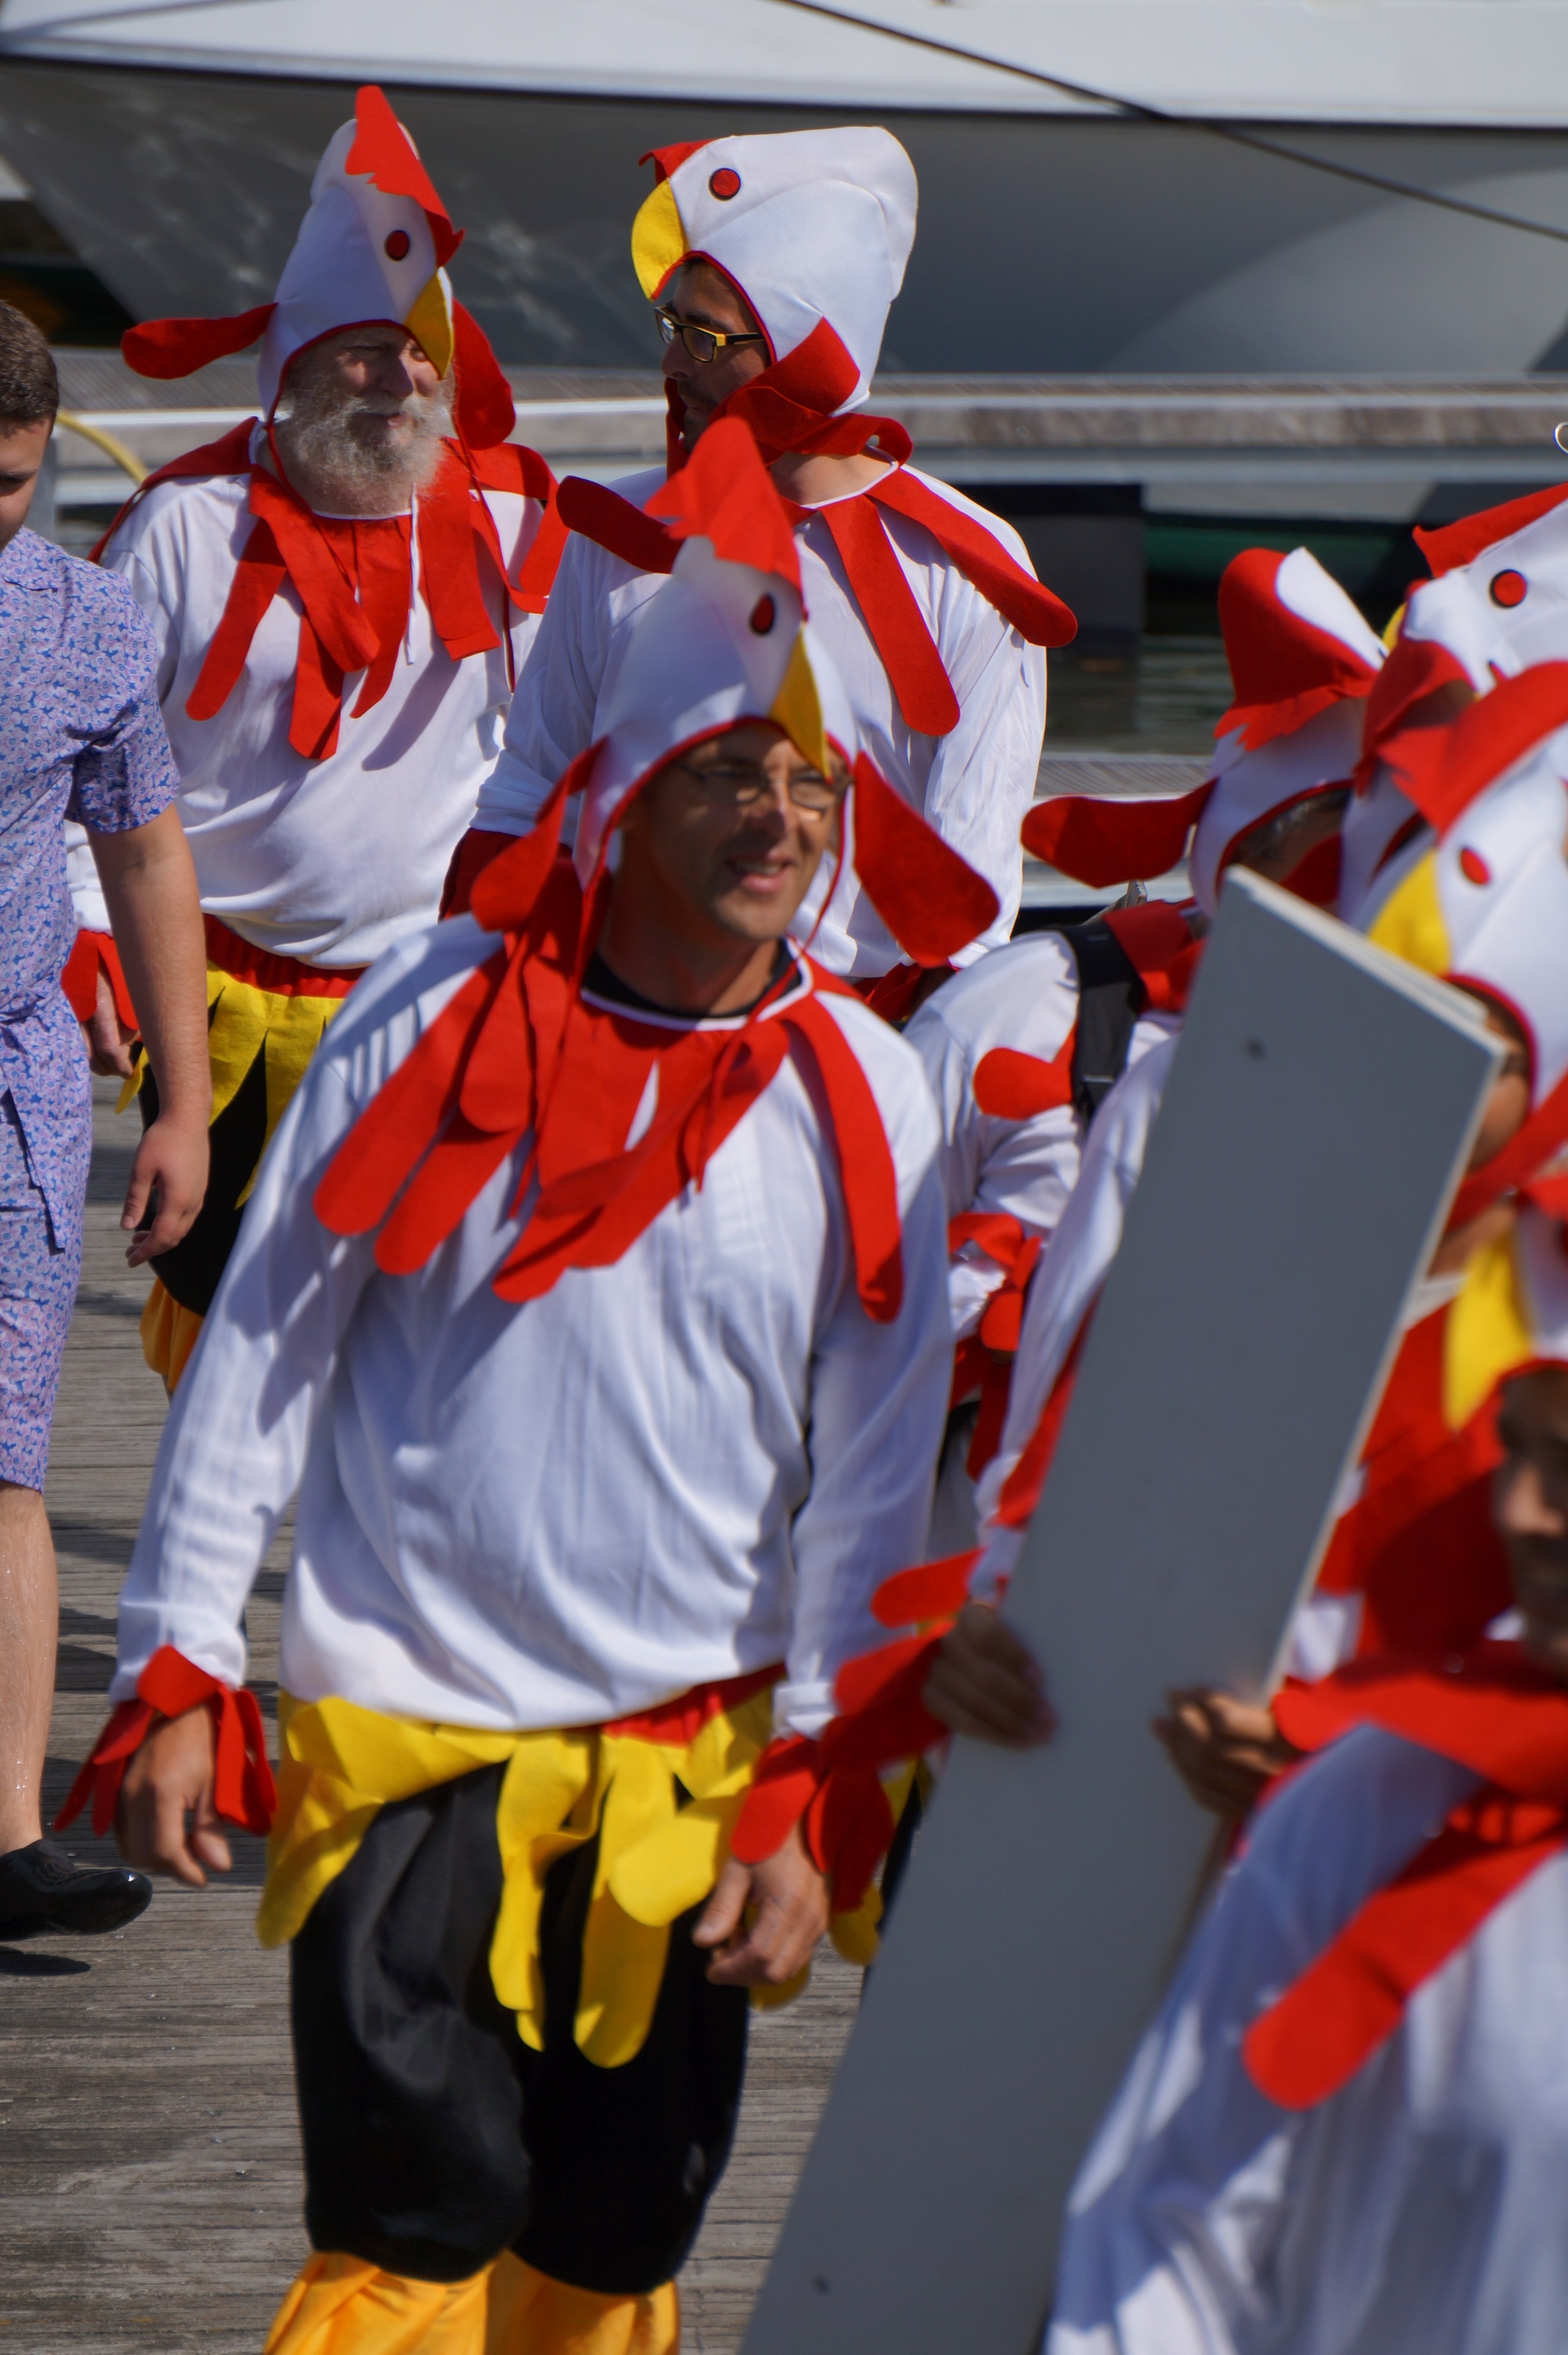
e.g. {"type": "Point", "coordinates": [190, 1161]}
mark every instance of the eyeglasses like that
{"type": "Point", "coordinates": [747, 785]}
{"type": "Point", "coordinates": [703, 343]}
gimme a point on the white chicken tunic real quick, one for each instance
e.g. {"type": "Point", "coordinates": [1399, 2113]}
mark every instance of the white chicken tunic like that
{"type": "Point", "coordinates": [1025, 998]}
{"type": "Point", "coordinates": [330, 860]}
{"type": "Point", "coordinates": [1420, 2210]}
{"type": "Point", "coordinates": [680, 1467]}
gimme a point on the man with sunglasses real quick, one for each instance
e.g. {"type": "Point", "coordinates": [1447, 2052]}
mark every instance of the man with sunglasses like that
{"type": "Point", "coordinates": [772, 260]}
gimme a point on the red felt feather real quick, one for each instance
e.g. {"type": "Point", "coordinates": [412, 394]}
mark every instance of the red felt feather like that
{"type": "Point", "coordinates": [1011, 1085]}
{"type": "Point", "coordinates": [1106, 841]}
{"type": "Point", "coordinates": [166, 348]}
{"type": "Point", "coordinates": [929, 897]}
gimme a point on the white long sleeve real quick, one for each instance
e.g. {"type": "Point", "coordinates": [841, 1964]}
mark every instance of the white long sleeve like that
{"type": "Point", "coordinates": [974, 785]}
{"type": "Point", "coordinates": [82, 880]}
{"type": "Point", "coordinates": [1025, 998]}
{"type": "Point", "coordinates": [1087, 1239]}
{"type": "Point", "coordinates": [1417, 2211]}
{"type": "Point", "coordinates": [327, 860]}
{"type": "Point", "coordinates": [687, 1465]}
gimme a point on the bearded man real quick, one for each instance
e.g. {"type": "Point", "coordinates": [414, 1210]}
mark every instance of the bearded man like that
{"type": "Point", "coordinates": [341, 590]}
{"type": "Point", "coordinates": [771, 262]}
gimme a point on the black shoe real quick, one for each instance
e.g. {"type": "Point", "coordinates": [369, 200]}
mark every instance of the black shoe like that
{"type": "Point", "coordinates": [42, 1890]}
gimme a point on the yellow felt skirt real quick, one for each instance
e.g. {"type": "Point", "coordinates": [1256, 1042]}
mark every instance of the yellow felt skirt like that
{"type": "Point", "coordinates": [662, 1812]}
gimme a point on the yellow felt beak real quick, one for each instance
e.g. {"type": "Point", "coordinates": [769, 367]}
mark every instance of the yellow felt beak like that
{"type": "Point", "coordinates": [659, 240]}
{"type": "Point", "coordinates": [1411, 926]}
{"type": "Point", "coordinates": [429, 323]}
{"type": "Point", "coordinates": [797, 708]}
{"type": "Point", "coordinates": [1487, 1332]}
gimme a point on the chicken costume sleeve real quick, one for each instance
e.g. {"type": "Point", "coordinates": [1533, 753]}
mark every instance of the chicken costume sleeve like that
{"type": "Point", "coordinates": [1303, 2173]}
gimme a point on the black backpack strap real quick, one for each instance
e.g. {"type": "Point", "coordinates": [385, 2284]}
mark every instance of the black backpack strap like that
{"type": "Point", "coordinates": [1110, 1000]}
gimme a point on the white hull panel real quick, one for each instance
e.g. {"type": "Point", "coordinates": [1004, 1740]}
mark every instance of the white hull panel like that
{"type": "Point", "coordinates": [1046, 245]}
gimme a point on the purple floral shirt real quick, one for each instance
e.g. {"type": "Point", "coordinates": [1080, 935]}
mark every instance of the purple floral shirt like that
{"type": "Point", "coordinates": [81, 736]}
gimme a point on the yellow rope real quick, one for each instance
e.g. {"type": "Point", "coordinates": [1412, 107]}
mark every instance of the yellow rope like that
{"type": "Point", "coordinates": [124, 458]}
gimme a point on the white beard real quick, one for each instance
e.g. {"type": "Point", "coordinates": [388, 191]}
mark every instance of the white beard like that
{"type": "Point", "coordinates": [340, 471]}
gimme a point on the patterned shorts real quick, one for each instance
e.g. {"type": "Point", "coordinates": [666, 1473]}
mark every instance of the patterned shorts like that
{"type": "Point", "coordinates": [37, 1289]}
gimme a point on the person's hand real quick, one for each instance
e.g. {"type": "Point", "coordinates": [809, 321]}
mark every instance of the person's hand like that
{"type": "Point", "coordinates": [1223, 1749]}
{"type": "Point", "coordinates": [786, 1898]}
{"type": "Point", "coordinates": [169, 1779]}
{"type": "Point", "coordinates": [172, 1157]}
{"type": "Point", "coordinates": [106, 1038]}
{"type": "Point", "coordinates": [984, 1681]}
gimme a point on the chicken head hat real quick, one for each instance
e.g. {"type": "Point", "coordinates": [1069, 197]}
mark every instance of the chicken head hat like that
{"type": "Point", "coordinates": [814, 228]}
{"type": "Point", "coordinates": [1498, 604]}
{"type": "Point", "coordinates": [372, 248]}
{"type": "Point", "coordinates": [1482, 897]}
{"type": "Point", "coordinates": [1302, 662]}
{"type": "Point", "coordinates": [1499, 598]}
{"type": "Point", "coordinates": [724, 641]}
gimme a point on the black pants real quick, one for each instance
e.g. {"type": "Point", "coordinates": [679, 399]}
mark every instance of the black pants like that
{"type": "Point", "coordinates": [433, 2136]}
{"type": "Point", "coordinates": [193, 1270]}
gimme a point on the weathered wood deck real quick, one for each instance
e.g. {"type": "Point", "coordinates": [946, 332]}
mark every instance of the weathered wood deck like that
{"type": "Point", "coordinates": [149, 2162]}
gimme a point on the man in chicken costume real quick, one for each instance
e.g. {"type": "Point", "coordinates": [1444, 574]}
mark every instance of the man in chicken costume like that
{"type": "Point", "coordinates": [592, 1300]}
{"type": "Point", "coordinates": [1480, 897]}
{"type": "Point", "coordinates": [1347, 2126]}
{"type": "Point", "coordinates": [1022, 1048]}
{"type": "Point", "coordinates": [1473, 685]}
{"type": "Point", "coordinates": [341, 590]}
{"type": "Point", "coordinates": [772, 260]}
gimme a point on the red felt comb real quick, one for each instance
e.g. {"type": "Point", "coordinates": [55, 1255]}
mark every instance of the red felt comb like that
{"type": "Point", "coordinates": [1454, 544]}
{"type": "Point", "coordinates": [1283, 666]}
{"type": "Point", "coordinates": [666, 160]}
{"type": "Point", "coordinates": [386, 156]}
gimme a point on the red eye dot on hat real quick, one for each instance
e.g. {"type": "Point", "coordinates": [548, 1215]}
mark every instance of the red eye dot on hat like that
{"type": "Point", "coordinates": [1473, 866]}
{"type": "Point", "coordinates": [397, 245]}
{"type": "Point", "coordinates": [1508, 587]}
{"type": "Point", "coordinates": [763, 614]}
{"type": "Point", "coordinates": [724, 184]}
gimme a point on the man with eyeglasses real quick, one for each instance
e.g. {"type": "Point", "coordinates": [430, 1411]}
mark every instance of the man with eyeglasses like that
{"type": "Point", "coordinates": [772, 260]}
{"type": "Point", "coordinates": [592, 1299]}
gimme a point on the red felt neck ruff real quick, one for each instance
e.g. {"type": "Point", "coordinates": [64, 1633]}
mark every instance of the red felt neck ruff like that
{"type": "Point", "coordinates": [904, 644]}
{"type": "Point", "coordinates": [1496, 1713]}
{"type": "Point", "coordinates": [516, 1054]}
{"type": "Point", "coordinates": [355, 577]}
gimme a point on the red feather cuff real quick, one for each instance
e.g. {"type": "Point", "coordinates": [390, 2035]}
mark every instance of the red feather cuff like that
{"type": "Point", "coordinates": [93, 952]}
{"type": "Point", "coordinates": [844, 1815]}
{"type": "Point", "coordinates": [243, 1791]}
{"type": "Point", "coordinates": [831, 1786]}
